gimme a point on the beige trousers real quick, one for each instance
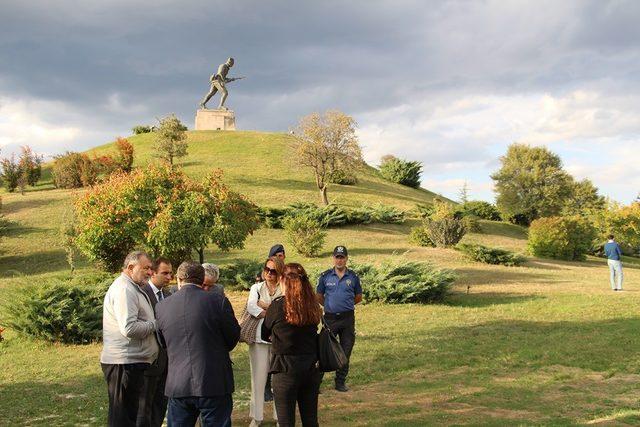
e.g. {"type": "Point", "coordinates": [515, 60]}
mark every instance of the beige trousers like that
{"type": "Point", "coordinates": [259, 358]}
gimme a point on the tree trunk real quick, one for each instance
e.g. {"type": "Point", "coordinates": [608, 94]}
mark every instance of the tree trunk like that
{"type": "Point", "coordinates": [323, 195]}
{"type": "Point", "coordinates": [201, 254]}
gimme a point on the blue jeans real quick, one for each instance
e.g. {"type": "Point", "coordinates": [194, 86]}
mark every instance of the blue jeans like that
{"type": "Point", "coordinates": [213, 411]}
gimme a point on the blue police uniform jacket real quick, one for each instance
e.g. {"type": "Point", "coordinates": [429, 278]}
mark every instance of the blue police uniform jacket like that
{"type": "Point", "coordinates": [338, 293]}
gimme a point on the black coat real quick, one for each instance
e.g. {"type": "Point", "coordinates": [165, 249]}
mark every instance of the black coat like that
{"type": "Point", "coordinates": [199, 329]}
{"type": "Point", "coordinates": [159, 367]}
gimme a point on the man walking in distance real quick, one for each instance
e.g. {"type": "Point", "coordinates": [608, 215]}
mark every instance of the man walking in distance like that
{"type": "Point", "coordinates": [614, 259]}
{"type": "Point", "coordinates": [339, 291]}
{"type": "Point", "coordinates": [199, 330]}
{"type": "Point", "coordinates": [129, 340]}
{"type": "Point", "coordinates": [153, 406]}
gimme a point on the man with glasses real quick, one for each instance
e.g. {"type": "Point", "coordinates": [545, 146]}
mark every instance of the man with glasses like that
{"type": "Point", "coordinates": [339, 291]}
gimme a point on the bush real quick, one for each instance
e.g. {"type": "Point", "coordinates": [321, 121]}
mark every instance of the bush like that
{"type": "Point", "coordinates": [10, 173]}
{"type": "Point", "coordinates": [137, 130]}
{"type": "Point", "coordinates": [30, 165]}
{"type": "Point", "coordinates": [332, 215]}
{"type": "Point", "coordinates": [408, 282]}
{"type": "Point", "coordinates": [124, 159]}
{"type": "Point", "coordinates": [342, 178]}
{"type": "Point", "coordinates": [401, 171]}
{"type": "Point", "coordinates": [488, 255]}
{"type": "Point", "coordinates": [419, 236]}
{"type": "Point", "coordinates": [239, 275]}
{"type": "Point", "coordinates": [471, 223]}
{"type": "Point", "coordinates": [445, 232]}
{"type": "Point", "coordinates": [424, 211]}
{"type": "Point", "coordinates": [162, 210]}
{"type": "Point", "coordinates": [65, 311]}
{"type": "Point", "coordinates": [305, 234]}
{"type": "Point", "coordinates": [74, 170]}
{"type": "Point", "coordinates": [481, 209]}
{"type": "Point", "coordinates": [568, 238]}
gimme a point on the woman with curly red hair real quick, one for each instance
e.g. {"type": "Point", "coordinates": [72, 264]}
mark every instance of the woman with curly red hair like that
{"type": "Point", "coordinates": [292, 323]}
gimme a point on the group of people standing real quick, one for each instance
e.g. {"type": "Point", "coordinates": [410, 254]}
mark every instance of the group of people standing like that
{"type": "Point", "coordinates": [164, 350]}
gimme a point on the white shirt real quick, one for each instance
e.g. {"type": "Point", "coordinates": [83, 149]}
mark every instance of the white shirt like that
{"type": "Point", "coordinates": [261, 290]}
{"type": "Point", "coordinates": [155, 290]}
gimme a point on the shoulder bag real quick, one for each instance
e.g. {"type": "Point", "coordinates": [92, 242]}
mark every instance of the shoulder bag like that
{"type": "Point", "coordinates": [331, 357]}
{"type": "Point", "coordinates": [248, 326]}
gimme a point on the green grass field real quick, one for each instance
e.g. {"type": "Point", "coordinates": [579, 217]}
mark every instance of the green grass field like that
{"type": "Point", "coordinates": [544, 344]}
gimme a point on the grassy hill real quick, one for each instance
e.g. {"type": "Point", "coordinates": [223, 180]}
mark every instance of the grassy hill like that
{"type": "Point", "coordinates": [256, 164]}
{"type": "Point", "coordinates": [543, 344]}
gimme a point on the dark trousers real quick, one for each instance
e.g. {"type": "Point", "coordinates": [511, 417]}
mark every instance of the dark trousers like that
{"type": "Point", "coordinates": [124, 384]}
{"type": "Point", "coordinates": [153, 405]}
{"type": "Point", "coordinates": [343, 327]}
{"type": "Point", "coordinates": [214, 411]}
{"type": "Point", "coordinates": [302, 388]}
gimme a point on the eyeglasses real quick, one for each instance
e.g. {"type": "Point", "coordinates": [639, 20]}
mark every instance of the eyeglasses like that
{"type": "Point", "coordinates": [271, 271]}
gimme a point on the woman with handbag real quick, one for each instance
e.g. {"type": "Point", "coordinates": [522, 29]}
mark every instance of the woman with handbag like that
{"type": "Point", "coordinates": [292, 325]}
{"type": "Point", "coordinates": [260, 297]}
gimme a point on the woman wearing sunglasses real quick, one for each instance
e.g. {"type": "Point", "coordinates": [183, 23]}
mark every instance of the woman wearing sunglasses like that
{"type": "Point", "coordinates": [292, 324]}
{"type": "Point", "coordinates": [260, 297]}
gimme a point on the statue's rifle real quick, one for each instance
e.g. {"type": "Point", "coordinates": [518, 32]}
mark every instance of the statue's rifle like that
{"type": "Point", "coordinates": [233, 79]}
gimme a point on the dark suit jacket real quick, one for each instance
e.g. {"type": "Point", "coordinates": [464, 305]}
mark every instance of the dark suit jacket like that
{"type": "Point", "coordinates": [160, 366]}
{"type": "Point", "coordinates": [199, 330]}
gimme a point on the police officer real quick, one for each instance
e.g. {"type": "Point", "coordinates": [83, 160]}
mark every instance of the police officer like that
{"type": "Point", "coordinates": [339, 291]}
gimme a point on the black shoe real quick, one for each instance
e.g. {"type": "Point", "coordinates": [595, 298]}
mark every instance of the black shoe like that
{"type": "Point", "coordinates": [342, 387]}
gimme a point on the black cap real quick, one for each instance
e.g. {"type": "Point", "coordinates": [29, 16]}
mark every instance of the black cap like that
{"type": "Point", "coordinates": [340, 251]}
{"type": "Point", "coordinates": [275, 249]}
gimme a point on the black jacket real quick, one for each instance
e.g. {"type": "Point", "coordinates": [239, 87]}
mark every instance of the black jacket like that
{"type": "Point", "coordinates": [199, 329]}
{"type": "Point", "coordinates": [159, 367]}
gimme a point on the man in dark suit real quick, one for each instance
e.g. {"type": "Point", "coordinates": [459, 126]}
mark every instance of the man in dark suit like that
{"type": "Point", "coordinates": [153, 405]}
{"type": "Point", "coordinates": [199, 329]}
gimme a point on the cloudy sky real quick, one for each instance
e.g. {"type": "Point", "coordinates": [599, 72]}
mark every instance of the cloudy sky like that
{"type": "Point", "coordinates": [449, 83]}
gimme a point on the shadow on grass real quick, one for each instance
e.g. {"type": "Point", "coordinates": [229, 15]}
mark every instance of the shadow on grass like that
{"type": "Point", "coordinates": [33, 263]}
{"type": "Point", "coordinates": [487, 299]}
{"type": "Point", "coordinates": [471, 276]}
{"type": "Point", "coordinates": [14, 206]}
{"type": "Point", "coordinates": [504, 229]}
{"type": "Point", "coordinates": [82, 402]}
{"type": "Point", "coordinates": [15, 229]}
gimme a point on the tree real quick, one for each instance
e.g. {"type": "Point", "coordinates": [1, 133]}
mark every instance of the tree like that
{"type": "Point", "coordinates": [170, 139]}
{"type": "Point", "coordinates": [584, 199]}
{"type": "Point", "coordinates": [464, 193]}
{"type": "Point", "coordinates": [124, 158]}
{"type": "Point", "coordinates": [400, 171]}
{"type": "Point", "coordinates": [327, 143]}
{"type": "Point", "coordinates": [74, 170]}
{"type": "Point", "coordinates": [621, 221]}
{"type": "Point", "coordinates": [165, 212]}
{"type": "Point", "coordinates": [30, 165]}
{"type": "Point", "coordinates": [10, 173]}
{"type": "Point", "coordinates": [530, 184]}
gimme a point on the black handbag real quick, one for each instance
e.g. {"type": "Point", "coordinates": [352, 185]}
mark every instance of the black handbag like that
{"type": "Point", "coordinates": [331, 357]}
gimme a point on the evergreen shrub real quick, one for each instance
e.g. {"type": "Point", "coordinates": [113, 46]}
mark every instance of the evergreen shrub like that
{"type": "Point", "coordinates": [402, 172]}
{"type": "Point", "coordinates": [305, 234]}
{"type": "Point", "coordinates": [445, 232]}
{"type": "Point", "coordinates": [419, 236]}
{"type": "Point", "coordinates": [407, 282]}
{"type": "Point", "coordinates": [489, 255]}
{"type": "Point", "coordinates": [481, 209]}
{"type": "Point", "coordinates": [568, 238]}
{"type": "Point", "coordinates": [239, 275]}
{"type": "Point", "coordinates": [67, 311]}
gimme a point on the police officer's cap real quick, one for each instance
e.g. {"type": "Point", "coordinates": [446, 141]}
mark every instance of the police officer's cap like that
{"type": "Point", "coordinates": [340, 251]}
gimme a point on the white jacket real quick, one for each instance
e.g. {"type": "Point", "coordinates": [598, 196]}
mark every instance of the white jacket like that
{"type": "Point", "coordinates": [128, 325]}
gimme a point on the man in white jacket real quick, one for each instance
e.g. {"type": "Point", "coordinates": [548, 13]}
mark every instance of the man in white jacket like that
{"type": "Point", "coordinates": [129, 340]}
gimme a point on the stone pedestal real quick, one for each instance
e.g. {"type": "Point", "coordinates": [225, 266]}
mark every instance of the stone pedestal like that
{"type": "Point", "coordinates": [215, 120]}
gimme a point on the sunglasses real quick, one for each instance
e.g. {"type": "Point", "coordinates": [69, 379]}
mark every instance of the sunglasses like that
{"type": "Point", "coordinates": [271, 271]}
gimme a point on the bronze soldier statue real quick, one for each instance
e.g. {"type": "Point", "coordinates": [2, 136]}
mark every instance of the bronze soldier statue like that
{"type": "Point", "coordinates": [218, 83]}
